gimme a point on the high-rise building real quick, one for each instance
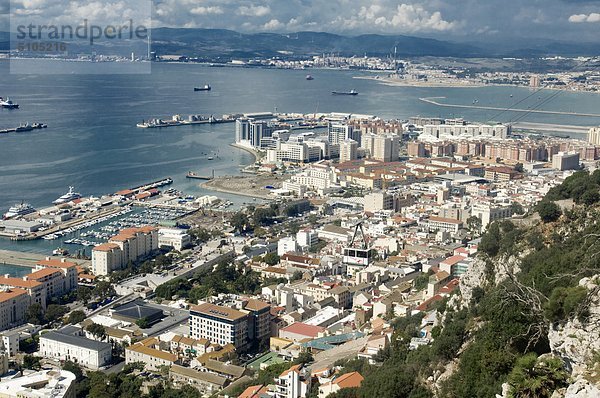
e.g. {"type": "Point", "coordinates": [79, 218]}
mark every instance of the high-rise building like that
{"type": "Point", "coordinates": [258, 130]}
{"type": "Point", "coordinates": [565, 161]}
{"type": "Point", "coordinates": [594, 136]}
{"type": "Point", "coordinates": [340, 132]}
{"type": "Point", "coordinates": [242, 130]}
{"type": "Point", "coordinates": [348, 150]}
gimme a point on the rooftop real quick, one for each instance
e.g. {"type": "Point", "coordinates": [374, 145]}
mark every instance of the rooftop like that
{"type": "Point", "coordinates": [218, 311]}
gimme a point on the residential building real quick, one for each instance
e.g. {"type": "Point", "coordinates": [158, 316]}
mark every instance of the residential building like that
{"type": "Point", "coordinates": [14, 303]}
{"type": "Point", "coordinates": [131, 244]}
{"type": "Point", "coordinates": [337, 133]}
{"type": "Point", "coordinates": [286, 245]}
{"type": "Point", "coordinates": [205, 382]}
{"type": "Point", "coordinates": [292, 383]}
{"type": "Point", "coordinates": [152, 358]}
{"type": "Point", "coordinates": [348, 150]}
{"type": "Point", "coordinates": [348, 380]}
{"type": "Point", "coordinates": [565, 161]}
{"type": "Point", "coordinates": [443, 224]}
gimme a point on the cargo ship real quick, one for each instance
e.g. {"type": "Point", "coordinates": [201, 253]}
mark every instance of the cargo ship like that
{"type": "Point", "coordinates": [69, 196]}
{"type": "Point", "coordinates": [19, 210]}
{"type": "Point", "coordinates": [351, 92]}
{"type": "Point", "coordinates": [206, 87]}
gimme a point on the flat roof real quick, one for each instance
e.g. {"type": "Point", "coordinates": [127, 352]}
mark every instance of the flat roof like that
{"type": "Point", "coordinates": [218, 311]}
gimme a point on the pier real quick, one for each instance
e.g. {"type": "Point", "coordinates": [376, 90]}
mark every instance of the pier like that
{"type": "Point", "coordinates": [177, 120]}
{"type": "Point", "coordinates": [195, 176]}
{"type": "Point", "coordinates": [24, 128]}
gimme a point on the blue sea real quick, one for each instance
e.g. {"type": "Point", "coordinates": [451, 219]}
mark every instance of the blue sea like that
{"type": "Point", "coordinates": [93, 144]}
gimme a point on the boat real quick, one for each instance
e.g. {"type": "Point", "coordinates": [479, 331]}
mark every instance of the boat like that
{"type": "Point", "coordinates": [69, 196]}
{"type": "Point", "coordinates": [205, 88]}
{"type": "Point", "coordinates": [211, 158]}
{"type": "Point", "coordinates": [8, 103]}
{"type": "Point", "coordinates": [351, 92]}
{"type": "Point", "coordinates": [309, 77]}
{"type": "Point", "coordinates": [19, 210]}
{"type": "Point", "coordinates": [59, 251]}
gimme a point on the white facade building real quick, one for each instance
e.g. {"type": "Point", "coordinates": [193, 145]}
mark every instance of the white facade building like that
{"type": "Point", "coordinates": [67, 344]}
{"type": "Point", "coordinates": [175, 238]}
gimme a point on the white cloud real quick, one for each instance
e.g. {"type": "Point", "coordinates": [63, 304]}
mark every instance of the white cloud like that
{"type": "Point", "coordinates": [274, 24]}
{"type": "Point", "coordinates": [207, 10]}
{"type": "Point", "coordinates": [254, 11]}
{"type": "Point", "coordinates": [581, 18]}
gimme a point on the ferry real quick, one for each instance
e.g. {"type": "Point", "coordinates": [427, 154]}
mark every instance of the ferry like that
{"type": "Point", "coordinates": [351, 92]}
{"type": "Point", "coordinates": [69, 196]}
{"type": "Point", "coordinates": [8, 103]}
{"type": "Point", "coordinates": [19, 210]}
{"type": "Point", "coordinates": [206, 87]}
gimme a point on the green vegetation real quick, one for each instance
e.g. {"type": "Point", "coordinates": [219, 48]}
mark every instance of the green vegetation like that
{"type": "Point", "coordinates": [548, 211]}
{"type": "Point", "coordinates": [96, 330]}
{"type": "Point", "coordinates": [532, 377]}
{"type": "Point", "coordinates": [225, 278]}
{"type": "Point", "coordinates": [76, 317]}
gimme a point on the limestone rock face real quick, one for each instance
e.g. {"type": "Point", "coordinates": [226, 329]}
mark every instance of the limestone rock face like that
{"type": "Point", "coordinates": [578, 344]}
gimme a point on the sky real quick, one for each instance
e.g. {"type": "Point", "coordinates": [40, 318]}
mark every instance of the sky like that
{"type": "Point", "coordinates": [473, 20]}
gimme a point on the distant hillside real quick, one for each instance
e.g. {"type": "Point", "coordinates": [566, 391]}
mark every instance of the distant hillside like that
{"type": "Point", "coordinates": [229, 44]}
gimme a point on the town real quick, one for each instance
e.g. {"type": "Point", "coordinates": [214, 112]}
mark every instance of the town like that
{"type": "Point", "coordinates": [368, 224]}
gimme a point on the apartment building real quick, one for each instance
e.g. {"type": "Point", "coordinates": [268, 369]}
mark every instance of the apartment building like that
{"type": "Point", "coordinates": [131, 244]}
{"type": "Point", "coordinates": [292, 383]}
{"type": "Point", "coordinates": [13, 306]}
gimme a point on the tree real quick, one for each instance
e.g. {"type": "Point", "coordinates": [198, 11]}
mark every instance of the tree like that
{"type": "Point", "coordinates": [590, 196]}
{"type": "Point", "coordinates": [271, 258]}
{"type": "Point", "coordinates": [534, 377]}
{"type": "Point", "coordinates": [72, 367]}
{"type": "Point", "coordinates": [31, 362]}
{"type": "Point", "coordinates": [54, 312]}
{"type": "Point", "coordinates": [103, 290]}
{"type": "Point", "coordinates": [240, 222]}
{"type": "Point", "coordinates": [96, 330]}
{"type": "Point", "coordinates": [519, 168]}
{"type": "Point", "coordinates": [517, 208]}
{"type": "Point", "coordinates": [200, 234]}
{"type": "Point", "coordinates": [143, 323]}
{"type": "Point", "coordinates": [474, 224]}
{"type": "Point", "coordinates": [35, 314]}
{"type": "Point", "coordinates": [304, 358]}
{"type": "Point", "coordinates": [548, 211]}
{"type": "Point", "coordinates": [83, 294]}
{"type": "Point", "coordinates": [490, 241]}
